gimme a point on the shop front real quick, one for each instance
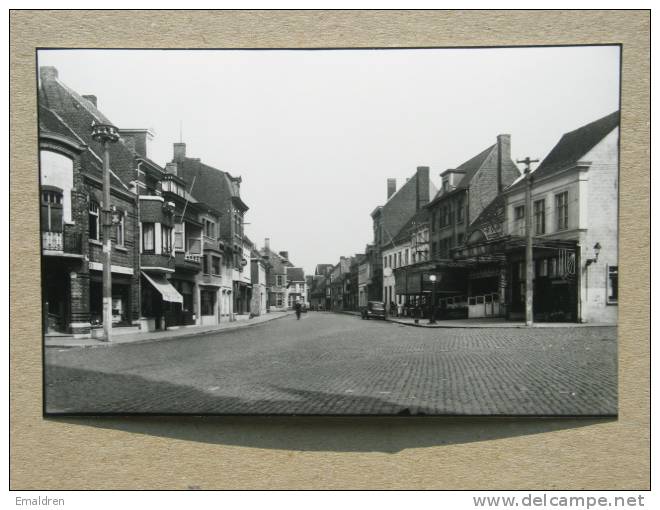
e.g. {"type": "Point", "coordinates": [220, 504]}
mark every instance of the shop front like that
{"type": "Point", "coordinates": [162, 303]}
{"type": "Point", "coordinates": [415, 284]}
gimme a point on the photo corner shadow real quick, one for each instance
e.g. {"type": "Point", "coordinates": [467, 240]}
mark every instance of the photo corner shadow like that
{"type": "Point", "coordinates": [384, 434]}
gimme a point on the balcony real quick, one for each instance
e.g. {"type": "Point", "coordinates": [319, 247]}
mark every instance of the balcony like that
{"type": "Point", "coordinates": [157, 262]}
{"type": "Point", "coordinates": [62, 243]}
{"type": "Point", "coordinates": [188, 261]}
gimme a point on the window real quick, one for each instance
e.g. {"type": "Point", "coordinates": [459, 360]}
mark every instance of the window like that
{"type": "Point", "coordinates": [460, 210]}
{"type": "Point", "coordinates": [561, 210]}
{"type": "Point", "coordinates": [612, 284]}
{"type": "Point", "coordinates": [209, 228]}
{"type": "Point", "coordinates": [148, 244]}
{"type": "Point", "coordinates": [389, 260]}
{"type": "Point", "coordinates": [434, 248]}
{"type": "Point", "coordinates": [279, 280]}
{"type": "Point", "coordinates": [166, 239]}
{"type": "Point", "coordinates": [51, 209]}
{"type": "Point", "coordinates": [120, 229]}
{"type": "Point", "coordinates": [519, 212]}
{"type": "Point", "coordinates": [215, 265]}
{"type": "Point", "coordinates": [178, 236]}
{"type": "Point", "coordinates": [444, 218]}
{"type": "Point", "coordinates": [279, 299]}
{"type": "Point", "coordinates": [406, 258]}
{"type": "Point", "coordinates": [539, 217]}
{"type": "Point", "coordinates": [384, 261]}
{"type": "Point", "coordinates": [460, 238]}
{"type": "Point", "coordinates": [399, 259]}
{"type": "Point", "coordinates": [94, 226]}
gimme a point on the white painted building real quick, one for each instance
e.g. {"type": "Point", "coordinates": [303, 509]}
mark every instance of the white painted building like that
{"type": "Point", "coordinates": [574, 198]}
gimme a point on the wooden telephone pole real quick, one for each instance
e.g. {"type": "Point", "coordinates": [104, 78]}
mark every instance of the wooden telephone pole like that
{"type": "Point", "coordinates": [529, 252]}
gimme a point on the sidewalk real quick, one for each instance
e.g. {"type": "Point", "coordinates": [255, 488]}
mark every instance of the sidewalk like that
{"type": "Point", "coordinates": [495, 322]}
{"type": "Point", "coordinates": [154, 336]}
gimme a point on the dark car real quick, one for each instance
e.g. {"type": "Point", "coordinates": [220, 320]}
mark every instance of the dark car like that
{"type": "Point", "coordinates": [374, 309]}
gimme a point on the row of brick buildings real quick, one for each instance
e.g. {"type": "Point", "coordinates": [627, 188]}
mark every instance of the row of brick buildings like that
{"type": "Point", "coordinates": [180, 256]}
{"type": "Point", "coordinates": [470, 234]}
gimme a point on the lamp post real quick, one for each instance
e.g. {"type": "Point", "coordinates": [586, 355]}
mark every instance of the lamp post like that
{"type": "Point", "coordinates": [106, 134]}
{"type": "Point", "coordinates": [529, 254]}
{"type": "Point", "coordinates": [433, 279]}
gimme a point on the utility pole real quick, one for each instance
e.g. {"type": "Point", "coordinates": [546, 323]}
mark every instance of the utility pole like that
{"type": "Point", "coordinates": [106, 134]}
{"type": "Point", "coordinates": [529, 252]}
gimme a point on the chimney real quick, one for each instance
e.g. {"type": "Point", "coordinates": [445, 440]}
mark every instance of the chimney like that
{"type": "Point", "coordinates": [503, 154]}
{"type": "Point", "coordinates": [47, 73]}
{"type": "Point", "coordinates": [171, 168]}
{"type": "Point", "coordinates": [267, 243]}
{"type": "Point", "coordinates": [91, 98]}
{"type": "Point", "coordinates": [391, 187]}
{"type": "Point", "coordinates": [179, 151]}
{"type": "Point", "coordinates": [422, 187]}
{"type": "Point", "coordinates": [139, 140]}
{"type": "Point", "coordinates": [284, 255]}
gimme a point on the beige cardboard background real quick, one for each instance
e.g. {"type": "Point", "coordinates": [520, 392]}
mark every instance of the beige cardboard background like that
{"type": "Point", "coordinates": [212, 453]}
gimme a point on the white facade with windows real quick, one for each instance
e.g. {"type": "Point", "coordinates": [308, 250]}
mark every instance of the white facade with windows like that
{"type": "Point", "coordinates": [579, 203]}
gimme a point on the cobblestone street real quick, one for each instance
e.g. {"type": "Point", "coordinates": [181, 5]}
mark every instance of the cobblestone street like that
{"type": "Point", "coordinates": [338, 364]}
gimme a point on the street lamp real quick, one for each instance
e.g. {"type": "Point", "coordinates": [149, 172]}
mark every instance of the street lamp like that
{"type": "Point", "coordinates": [106, 134]}
{"type": "Point", "coordinates": [433, 279]}
{"type": "Point", "coordinates": [596, 252]}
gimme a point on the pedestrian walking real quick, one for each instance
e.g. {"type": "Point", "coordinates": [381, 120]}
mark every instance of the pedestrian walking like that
{"type": "Point", "coordinates": [298, 308]}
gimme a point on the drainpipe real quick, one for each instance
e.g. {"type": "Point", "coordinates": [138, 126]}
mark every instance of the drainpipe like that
{"type": "Point", "coordinates": [137, 243]}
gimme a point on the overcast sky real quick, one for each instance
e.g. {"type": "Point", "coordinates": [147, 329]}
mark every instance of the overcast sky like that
{"type": "Point", "coordinates": [316, 134]}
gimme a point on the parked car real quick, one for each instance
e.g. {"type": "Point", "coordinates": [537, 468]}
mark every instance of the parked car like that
{"type": "Point", "coordinates": [374, 309]}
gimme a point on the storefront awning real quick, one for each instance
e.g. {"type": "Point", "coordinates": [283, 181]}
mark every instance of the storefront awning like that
{"type": "Point", "coordinates": [165, 288]}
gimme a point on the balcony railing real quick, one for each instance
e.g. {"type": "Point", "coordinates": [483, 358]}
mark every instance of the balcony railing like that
{"type": "Point", "coordinates": [65, 242]}
{"type": "Point", "coordinates": [193, 257]}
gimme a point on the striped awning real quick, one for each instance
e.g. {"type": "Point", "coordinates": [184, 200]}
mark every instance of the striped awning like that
{"type": "Point", "coordinates": [165, 288]}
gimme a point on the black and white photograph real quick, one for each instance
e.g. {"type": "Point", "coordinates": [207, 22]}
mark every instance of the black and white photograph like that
{"type": "Point", "coordinates": [381, 231]}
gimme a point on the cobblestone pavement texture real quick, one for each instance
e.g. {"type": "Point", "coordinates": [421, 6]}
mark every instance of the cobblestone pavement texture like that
{"type": "Point", "coordinates": [338, 364]}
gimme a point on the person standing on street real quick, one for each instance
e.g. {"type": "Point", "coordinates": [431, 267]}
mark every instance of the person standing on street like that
{"type": "Point", "coordinates": [298, 308]}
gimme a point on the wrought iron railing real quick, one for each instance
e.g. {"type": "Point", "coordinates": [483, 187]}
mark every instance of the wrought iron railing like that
{"type": "Point", "coordinates": [66, 242]}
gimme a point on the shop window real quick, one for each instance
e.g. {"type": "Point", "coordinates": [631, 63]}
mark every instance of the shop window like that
{"type": "Point", "coordinates": [539, 217]}
{"type": "Point", "coordinates": [561, 210]}
{"type": "Point", "coordinates": [148, 244]}
{"type": "Point", "coordinates": [94, 226]}
{"type": "Point", "coordinates": [207, 298]}
{"type": "Point", "coordinates": [612, 285]}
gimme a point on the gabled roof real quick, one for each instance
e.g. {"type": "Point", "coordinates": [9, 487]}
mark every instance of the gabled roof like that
{"type": "Point", "coordinates": [468, 170]}
{"type": "Point", "coordinates": [491, 220]}
{"type": "Point", "coordinates": [574, 145]}
{"type": "Point", "coordinates": [50, 122]}
{"type": "Point", "coordinates": [295, 274]}
{"type": "Point", "coordinates": [421, 216]}
{"type": "Point", "coordinates": [210, 182]}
